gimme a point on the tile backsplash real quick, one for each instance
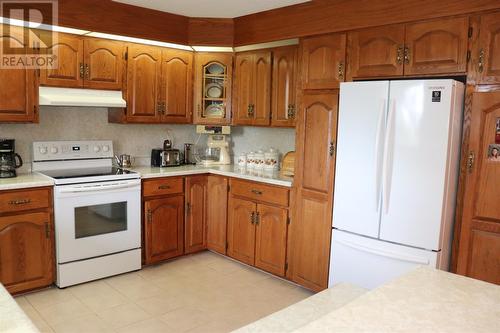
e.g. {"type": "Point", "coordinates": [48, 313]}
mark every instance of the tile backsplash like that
{"type": "Point", "coordinates": [67, 123]}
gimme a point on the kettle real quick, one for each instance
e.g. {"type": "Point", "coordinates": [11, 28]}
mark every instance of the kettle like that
{"type": "Point", "coordinates": [123, 161]}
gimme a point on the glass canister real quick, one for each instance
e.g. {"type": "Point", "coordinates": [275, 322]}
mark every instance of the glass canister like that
{"type": "Point", "coordinates": [271, 159]}
{"type": "Point", "coordinates": [259, 160]}
{"type": "Point", "coordinates": [242, 160]}
{"type": "Point", "coordinates": [251, 160]}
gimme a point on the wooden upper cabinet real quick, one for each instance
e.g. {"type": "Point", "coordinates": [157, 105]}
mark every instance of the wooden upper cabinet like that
{"type": "Point", "coordinates": [284, 87]}
{"type": "Point", "coordinates": [323, 61]}
{"type": "Point", "coordinates": [104, 63]}
{"type": "Point", "coordinates": [164, 228]}
{"type": "Point", "coordinates": [252, 88]}
{"type": "Point", "coordinates": [479, 245]}
{"type": "Point", "coordinates": [213, 73]}
{"type": "Point", "coordinates": [18, 88]}
{"type": "Point", "coordinates": [143, 84]}
{"type": "Point", "coordinates": [376, 52]}
{"type": "Point", "coordinates": [195, 233]}
{"type": "Point", "coordinates": [26, 251]}
{"type": "Point", "coordinates": [488, 53]}
{"type": "Point", "coordinates": [176, 86]}
{"type": "Point", "coordinates": [436, 47]}
{"type": "Point", "coordinates": [241, 230]}
{"type": "Point", "coordinates": [217, 188]}
{"type": "Point", "coordinates": [270, 239]}
{"type": "Point", "coordinates": [69, 69]}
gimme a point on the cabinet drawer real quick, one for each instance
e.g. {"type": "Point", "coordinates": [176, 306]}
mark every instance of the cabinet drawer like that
{"type": "Point", "coordinates": [163, 186]}
{"type": "Point", "coordinates": [15, 201]}
{"type": "Point", "coordinates": [260, 192]}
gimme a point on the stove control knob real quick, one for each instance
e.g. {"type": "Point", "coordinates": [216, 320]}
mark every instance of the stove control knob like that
{"type": "Point", "coordinates": [97, 149]}
{"type": "Point", "coordinates": [43, 150]}
{"type": "Point", "coordinates": [54, 150]}
{"type": "Point", "coordinates": [105, 148]}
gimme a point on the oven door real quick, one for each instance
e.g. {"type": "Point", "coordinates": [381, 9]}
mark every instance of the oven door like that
{"type": "Point", "coordinates": [97, 219]}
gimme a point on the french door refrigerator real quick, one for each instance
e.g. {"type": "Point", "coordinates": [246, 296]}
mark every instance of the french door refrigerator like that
{"type": "Point", "coordinates": [397, 167]}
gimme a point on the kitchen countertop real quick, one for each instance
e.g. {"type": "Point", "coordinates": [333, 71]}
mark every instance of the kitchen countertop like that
{"type": "Point", "coordinates": [25, 180]}
{"type": "Point", "coordinates": [263, 176]}
{"type": "Point", "coordinates": [424, 300]}
{"type": "Point", "coordinates": [12, 317]}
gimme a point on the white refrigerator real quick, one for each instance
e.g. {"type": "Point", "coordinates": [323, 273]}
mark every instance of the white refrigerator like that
{"type": "Point", "coordinates": [398, 150]}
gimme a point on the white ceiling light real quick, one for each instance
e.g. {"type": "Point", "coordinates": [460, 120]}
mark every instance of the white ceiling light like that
{"type": "Point", "coordinates": [212, 48]}
{"type": "Point", "coordinates": [139, 40]}
{"type": "Point", "coordinates": [34, 25]}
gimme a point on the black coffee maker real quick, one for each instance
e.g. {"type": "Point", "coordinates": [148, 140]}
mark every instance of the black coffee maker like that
{"type": "Point", "coordinates": [9, 160]}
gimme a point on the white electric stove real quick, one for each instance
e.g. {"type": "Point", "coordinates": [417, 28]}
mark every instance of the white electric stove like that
{"type": "Point", "coordinates": [97, 210]}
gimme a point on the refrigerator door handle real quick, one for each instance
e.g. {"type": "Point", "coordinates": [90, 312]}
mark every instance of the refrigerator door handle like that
{"type": "Point", "coordinates": [388, 156]}
{"type": "Point", "coordinates": [380, 126]}
{"type": "Point", "coordinates": [387, 254]}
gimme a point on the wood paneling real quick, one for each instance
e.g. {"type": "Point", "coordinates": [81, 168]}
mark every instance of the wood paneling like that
{"type": "Point", "coordinates": [164, 228]}
{"type": "Point", "coordinates": [241, 230]}
{"type": "Point", "coordinates": [487, 54]}
{"type": "Point", "coordinates": [323, 61]}
{"type": "Point", "coordinates": [243, 88]}
{"type": "Point", "coordinates": [217, 189]}
{"type": "Point", "coordinates": [162, 186]}
{"type": "Point", "coordinates": [262, 87]}
{"type": "Point", "coordinates": [260, 192]}
{"type": "Point", "coordinates": [210, 31]}
{"type": "Point", "coordinates": [104, 63]}
{"type": "Point", "coordinates": [436, 47]}
{"type": "Point", "coordinates": [195, 232]}
{"type": "Point", "coordinates": [376, 52]}
{"type": "Point", "coordinates": [284, 86]}
{"type": "Point", "coordinates": [323, 16]}
{"type": "Point", "coordinates": [270, 239]}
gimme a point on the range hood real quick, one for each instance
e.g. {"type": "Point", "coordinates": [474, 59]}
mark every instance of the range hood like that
{"type": "Point", "coordinates": [81, 97]}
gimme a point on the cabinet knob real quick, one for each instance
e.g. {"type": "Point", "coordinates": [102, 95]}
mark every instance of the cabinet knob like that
{"type": "Point", "coordinates": [407, 54]}
{"type": "Point", "coordinates": [399, 55]}
{"type": "Point", "coordinates": [257, 218]}
{"type": "Point", "coordinates": [470, 161]}
{"type": "Point", "coordinates": [252, 218]}
{"type": "Point", "coordinates": [87, 71]}
{"type": "Point", "coordinates": [331, 149]}
{"type": "Point", "coordinates": [341, 71]}
{"type": "Point", "coordinates": [82, 71]}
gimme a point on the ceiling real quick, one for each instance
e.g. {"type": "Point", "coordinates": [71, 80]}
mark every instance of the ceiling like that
{"type": "Point", "coordinates": [212, 8]}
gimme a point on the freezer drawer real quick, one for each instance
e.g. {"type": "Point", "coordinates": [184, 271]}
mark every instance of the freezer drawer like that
{"type": "Point", "coordinates": [368, 263]}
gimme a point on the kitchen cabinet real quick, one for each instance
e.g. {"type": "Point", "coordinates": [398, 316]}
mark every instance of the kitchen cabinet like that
{"type": "Point", "coordinates": [18, 87]}
{"type": "Point", "coordinates": [26, 239]}
{"type": "Point", "coordinates": [284, 76]}
{"type": "Point", "coordinates": [217, 202]}
{"type": "Point", "coordinates": [241, 230]}
{"type": "Point", "coordinates": [487, 55]}
{"type": "Point", "coordinates": [323, 61]}
{"type": "Point", "coordinates": [195, 233]}
{"type": "Point", "coordinates": [310, 227]}
{"type": "Point", "coordinates": [479, 242]}
{"type": "Point", "coordinates": [176, 86]}
{"type": "Point", "coordinates": [252, 88]}
{"type": "Point", "coordinates": [212, 88]}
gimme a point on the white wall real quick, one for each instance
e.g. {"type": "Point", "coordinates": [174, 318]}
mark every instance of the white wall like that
{"type": "Point", "coordinates": [65, 123]}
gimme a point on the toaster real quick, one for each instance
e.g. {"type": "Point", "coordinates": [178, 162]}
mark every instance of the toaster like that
{"type": "Point", "coordinates": [170, 157]}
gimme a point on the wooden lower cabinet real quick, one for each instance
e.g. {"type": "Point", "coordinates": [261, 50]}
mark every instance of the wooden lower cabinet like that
{"type": "Point", "coordinates": [195, 233]}
{"type": "Point", "coordinates": [217, 188]}
{"type": "Point", "coordinates": [241, 230]}
{"type": "Point", "coordinates": [164, 228]}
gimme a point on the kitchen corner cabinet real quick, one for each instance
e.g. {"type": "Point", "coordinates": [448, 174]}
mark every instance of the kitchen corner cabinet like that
{"type": "Point", "coordinates": [486, 56]}
{"type": "Point", "coordinates": [213, 74]}
{"type": "Point", "coordinates": [18, 87]}
{"type": "Point", "coordinates": [217, 189]}
{"type": "Point", "coordinates": [195, 233]}
{"type": "Point", "coordinates": [26, 239]}
{"type": "Point", "coordinates": [284, 76]}
{"type": "Point", "coordinates": [311, 224]}
{"type": "Point", "coordinates": [323, 61]}
{"type": "Point", "coordinates": [163, 202]}
{"type": "Point", "coordinates": [252, 88]}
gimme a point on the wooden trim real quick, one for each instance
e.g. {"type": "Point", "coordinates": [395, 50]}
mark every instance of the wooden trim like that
{"type": "Point", "coordinates": [210, 31]}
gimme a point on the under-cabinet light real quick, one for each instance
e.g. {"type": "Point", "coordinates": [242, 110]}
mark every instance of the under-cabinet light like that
{"type": "Point", "coordinates": [139, 40]}
{"type": "Point", "coordinates": [213, 48]}
{"type": "Point", "coordinates": [284, 42]}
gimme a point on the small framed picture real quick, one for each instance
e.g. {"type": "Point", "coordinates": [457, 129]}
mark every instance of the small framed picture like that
{"type": "Point", "coordinates": [494, 153]}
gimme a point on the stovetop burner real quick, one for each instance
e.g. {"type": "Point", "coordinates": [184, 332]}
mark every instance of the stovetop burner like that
{"type": "Point", "coordinates": [87, 172]}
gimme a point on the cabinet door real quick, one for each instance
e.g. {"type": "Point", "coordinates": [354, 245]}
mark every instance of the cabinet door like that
{"type": "Point", "coordinates": [243, 89]}
{"type": "Point", "coordinates": [210, 69]}
{"type": "Point", "coordinates": [479, 244]}
{"type": "Point", "coordinates": [262, 88]}
{"type": "Point", "coordinates": [270, 243]}
{"type": "Point", "coordinates": [164, 219]}
{"type": "Point", "coordinates": [143, 84]}
{"type": "Point", "coordinates": [436, 47]}
{"type": "Point", "coordinates": [176, 94]}
{"type": "Point", "coordinates": [217, 213]}
{"type": "Point", "coordinates": [323, 61]}
{"type": "Point", "coordinates": [104, 64]}
{"type": "Point", "coordinates": [26, 251]}
{"type": "Point", "coordinates": [241, 230]}
{"type": "Point", "coordinates": [284, 86]}
{"type": "Point", "coordinates": [195, 235]}
{"type": "Point", "coordinates": [488, 55]}
{"type": "Point", "coordinates": [69, 68]}
{"type": "Point", "coordinates": [376, 52]}
{"type": "Point", "coordinates": [18, 89]}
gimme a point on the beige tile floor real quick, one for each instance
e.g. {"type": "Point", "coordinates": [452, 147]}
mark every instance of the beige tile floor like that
{"type": "Point", "coordinates": [204, 292]}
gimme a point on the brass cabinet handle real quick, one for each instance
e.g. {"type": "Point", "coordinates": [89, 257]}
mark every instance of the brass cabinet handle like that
{"type": "Point", "coordinates": [164, 108]}
{"type": "Point", "coordinates": [250, 110]}
{"type": "Point", "coordinates": [291, 111]}
{"type": "Point", "coordinates": [331, 149]}
{"type": "Point", "coordinates": [407, 55]}
{"type": "Point", "coordinates": [47, 230]}
{"type": "Point", "coordinates": [158, 108]}
{"type": "Point", "coordinates": [87, 71]}
{"type": "Point", "coordinates": [256, 192]}
{"type": "Point", "coordinates": [19, 202]}
{"type": "Point", "coordinates": [480, 62]}
{"type": "Point", "coordinates": [82, 72]}
{"type": "Point", "coordinates": [341, 71]}
{"type": "Point", "coordinates": [252, 218]}
{"type": "Point", "coordinates": [257, 218]}
{"type": "Point", "coordinates": [150, 216]}
{"type": "Point", "coordinates": [188, 208]}
{"type": "Point", "coordinates": [163, 187]}
{"type": "Point", "coordinates": [470, 161]}
{"type": "Point", "coordinates": [399, 55]}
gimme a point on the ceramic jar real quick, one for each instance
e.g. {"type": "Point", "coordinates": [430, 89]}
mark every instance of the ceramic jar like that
{"type": "Point", "coordinates": [251, 160]}
{"type": "Point", "coordinates": [271, 158]}
{"type": "Point", "coordinates": [242, 160]}
{"type": "Point", "coordinates": [259, 160]}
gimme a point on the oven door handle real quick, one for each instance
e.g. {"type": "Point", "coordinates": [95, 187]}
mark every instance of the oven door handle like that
{"type": "Point", "coordinates": [97, 188]}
